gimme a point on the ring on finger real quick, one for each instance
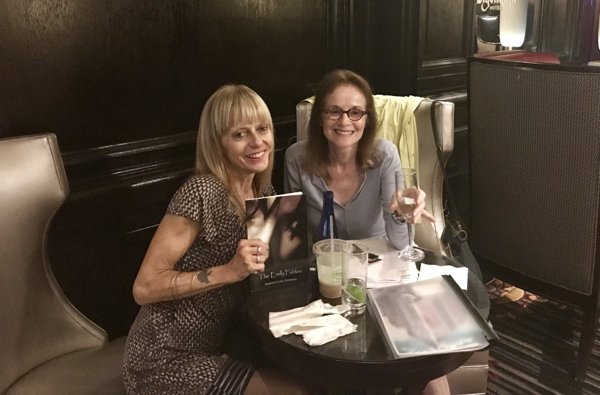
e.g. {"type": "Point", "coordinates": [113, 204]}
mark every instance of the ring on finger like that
{"type": "Point", "coordinates": [258, 250]}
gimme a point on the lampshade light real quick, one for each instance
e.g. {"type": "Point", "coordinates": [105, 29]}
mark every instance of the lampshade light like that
{"type": "Point", "coordinates": [513, 22]}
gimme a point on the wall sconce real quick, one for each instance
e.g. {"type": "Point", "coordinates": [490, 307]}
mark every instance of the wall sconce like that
{"type": "Point", "coordinates": [513, 23]}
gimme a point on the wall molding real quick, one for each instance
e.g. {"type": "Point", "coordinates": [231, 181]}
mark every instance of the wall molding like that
{"type": "Point", "coordinates": [142, 162]}
{"type": "Point", "coordinates": [443, 48]}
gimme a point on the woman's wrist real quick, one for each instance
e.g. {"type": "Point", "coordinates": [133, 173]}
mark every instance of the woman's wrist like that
{"type": "Point", "coordinates": [219, 275]}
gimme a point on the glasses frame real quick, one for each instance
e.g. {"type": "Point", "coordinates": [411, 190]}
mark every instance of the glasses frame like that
{"type": "Point", "coordinates": [347, 112]}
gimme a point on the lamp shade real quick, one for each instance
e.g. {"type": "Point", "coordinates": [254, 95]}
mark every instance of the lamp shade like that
{"type": "Point", "coordinates": [513, 22]}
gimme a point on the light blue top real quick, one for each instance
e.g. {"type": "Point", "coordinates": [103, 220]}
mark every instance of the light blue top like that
{"type": "Point", "coordinates": [367, 214]}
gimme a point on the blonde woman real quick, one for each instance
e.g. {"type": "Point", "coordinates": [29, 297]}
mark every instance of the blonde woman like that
{"type": "Point", "coordinates": [192, 281]}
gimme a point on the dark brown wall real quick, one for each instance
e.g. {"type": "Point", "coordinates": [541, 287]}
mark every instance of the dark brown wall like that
{"type": "Point", "coordinates": [122, 83]}
{"type": "Point", "coordinates": [106, 72]}
{"type": "Point", "coordinates": [445, 40]}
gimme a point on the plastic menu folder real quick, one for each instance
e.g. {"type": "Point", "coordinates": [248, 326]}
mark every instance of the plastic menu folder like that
{"type": "Point", "coordinates": [428, 317]}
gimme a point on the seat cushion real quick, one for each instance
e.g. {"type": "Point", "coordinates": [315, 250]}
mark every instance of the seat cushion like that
{"type": "Point", "coordinates": [92, 371]}
{"type": "Point", "coordinates": [471, 377]}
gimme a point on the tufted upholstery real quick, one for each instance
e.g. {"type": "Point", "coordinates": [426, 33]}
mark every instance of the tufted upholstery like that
{"type": "Point", "coordinates": [47, 345]}
{"type": "Point", "coordinates": [470, 378]}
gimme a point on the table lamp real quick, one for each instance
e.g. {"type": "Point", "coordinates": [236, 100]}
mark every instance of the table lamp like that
{"type": "Point", "coordinates": [513, 23]}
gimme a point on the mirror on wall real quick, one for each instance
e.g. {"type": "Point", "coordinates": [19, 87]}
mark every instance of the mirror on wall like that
{"type": "Point", "coordinates": [567, 29]}
{"type": "Point", "coordinates": [506, 25]}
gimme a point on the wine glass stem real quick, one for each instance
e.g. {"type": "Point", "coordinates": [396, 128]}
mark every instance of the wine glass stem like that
{"type": "Point", "coordinates": [411, 235]}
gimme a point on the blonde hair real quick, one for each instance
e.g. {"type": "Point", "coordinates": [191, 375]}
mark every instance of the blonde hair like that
{"type": "Point", "coordinates": [228, 106]}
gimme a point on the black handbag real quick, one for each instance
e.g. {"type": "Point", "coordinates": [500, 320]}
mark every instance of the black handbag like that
{"type": "Point", "coordinates": [455, 235]}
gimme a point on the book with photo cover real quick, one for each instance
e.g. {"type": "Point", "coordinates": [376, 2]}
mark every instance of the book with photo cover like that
{"type": "Point", "coordinates": [428, 317]}
{"type": "Point", "coordinates": [280, 221]}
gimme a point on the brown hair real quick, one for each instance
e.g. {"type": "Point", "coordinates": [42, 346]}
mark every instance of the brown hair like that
{"type": "Point", "coordinates": [317, 157]}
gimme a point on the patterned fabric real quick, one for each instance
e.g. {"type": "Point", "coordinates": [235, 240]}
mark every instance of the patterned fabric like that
{"type": "Point", "coordinates": [176, 347]}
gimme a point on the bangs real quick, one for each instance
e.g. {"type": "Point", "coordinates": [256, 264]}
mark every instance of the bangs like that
{"type": "Point", "coordinates": [245, 107]}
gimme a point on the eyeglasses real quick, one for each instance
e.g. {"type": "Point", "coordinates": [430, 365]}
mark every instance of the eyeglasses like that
{"type": "Point", "coordinates": [354, 114]}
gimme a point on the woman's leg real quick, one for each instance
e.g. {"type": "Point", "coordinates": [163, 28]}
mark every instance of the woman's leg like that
{"type": "Point", "coordinates": [437, 386]}
{"type": "Point", "coordinates": [266, 381]}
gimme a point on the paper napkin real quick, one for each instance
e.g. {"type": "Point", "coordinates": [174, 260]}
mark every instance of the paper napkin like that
{"type": "Point", "coordinates": [459, 274]}
{"type": "Point", "coordinates": [391, 270]}
{"type": "Point", "coordinates": [318, 322]}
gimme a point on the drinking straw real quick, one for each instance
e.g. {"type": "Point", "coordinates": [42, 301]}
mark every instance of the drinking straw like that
{"type": "Point", "coordinates": [331, 233]}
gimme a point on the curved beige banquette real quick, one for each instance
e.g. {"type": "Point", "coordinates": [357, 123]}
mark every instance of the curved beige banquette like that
{"type": "Point", "coordinates": [48, 346]}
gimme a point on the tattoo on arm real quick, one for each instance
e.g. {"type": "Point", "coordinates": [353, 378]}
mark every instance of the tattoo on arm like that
{"type": "Point", "coordinates": [202, 276]}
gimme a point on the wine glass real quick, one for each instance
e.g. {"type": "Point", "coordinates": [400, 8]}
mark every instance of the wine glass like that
{"type": "Point", "coordinates": [407, 191]}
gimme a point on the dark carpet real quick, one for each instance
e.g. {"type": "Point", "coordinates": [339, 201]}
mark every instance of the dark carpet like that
{"type": "Point", "coordinates": [538, 345]}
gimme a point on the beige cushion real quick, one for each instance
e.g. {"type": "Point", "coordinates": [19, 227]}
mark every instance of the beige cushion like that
{"type": "Point", "coordinates": [44, 339]}
{"type": "Point", "coordinates": [471, 377]}
{"type": "Point", "coordinates": [92, 371]}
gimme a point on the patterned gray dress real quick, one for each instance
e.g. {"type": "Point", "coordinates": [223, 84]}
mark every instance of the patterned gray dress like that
{"type": "Point", "coordinates": [176, 347]}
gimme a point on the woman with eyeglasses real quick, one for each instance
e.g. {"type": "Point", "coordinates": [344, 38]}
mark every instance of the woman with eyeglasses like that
{"type": "Point", "coordinates": [343, 155]}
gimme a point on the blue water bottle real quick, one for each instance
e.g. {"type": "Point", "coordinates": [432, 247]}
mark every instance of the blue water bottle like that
{"type": "Point", "coordinates": [327, 223]}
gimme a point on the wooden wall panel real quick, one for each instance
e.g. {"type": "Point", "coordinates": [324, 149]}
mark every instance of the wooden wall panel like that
{"type": "Point", "coordinates": [122, 83]}
{"type": "Point", "coordinates": [102, 73]}
{"type": "Point", "coordinates": [446, 39]}
{"type": "Point", "coordinates": [96, 244]}
{"type": "Point", "coordinates": [443, 30]}
{"type": "Point", "coordinates": [390, 52]}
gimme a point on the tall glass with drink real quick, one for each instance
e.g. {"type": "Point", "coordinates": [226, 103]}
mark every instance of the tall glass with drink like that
{"type": "Point", "coordinates": [329, 266]}
{"type": "Point", "coordinates": [354, 277]}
